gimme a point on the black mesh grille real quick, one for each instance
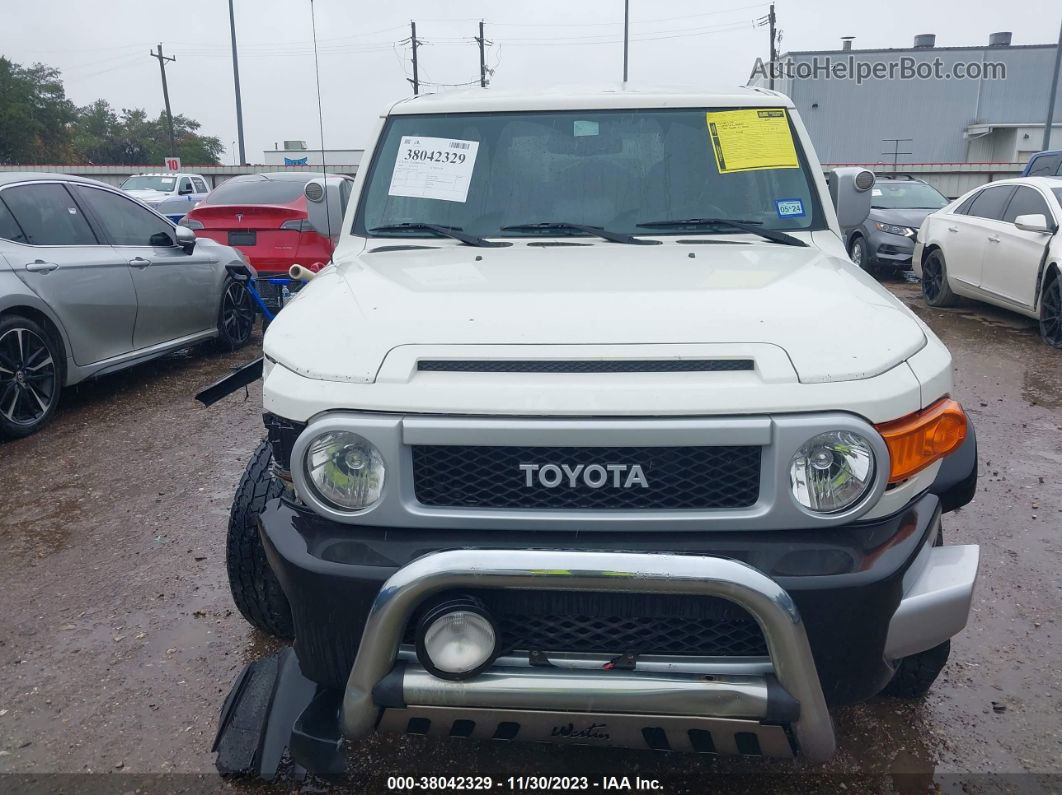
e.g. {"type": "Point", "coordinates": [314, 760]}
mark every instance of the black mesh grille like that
{"type": "Point", "coordinates": [599, 623]}
{"type": "Point", "coordinates": [688, 478]}
{"type": "Point", "coordinates": [594, 366]}
{"type": "Point", "coordinates": [614, 635]}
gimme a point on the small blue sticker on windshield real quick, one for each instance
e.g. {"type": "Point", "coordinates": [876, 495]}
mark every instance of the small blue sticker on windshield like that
{"type": "Point", "coordinates": [789, 208]}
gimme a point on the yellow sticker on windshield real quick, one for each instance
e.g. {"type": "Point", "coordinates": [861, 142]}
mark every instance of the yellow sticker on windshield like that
{"type": "Point", "coordinates": [751, 140]}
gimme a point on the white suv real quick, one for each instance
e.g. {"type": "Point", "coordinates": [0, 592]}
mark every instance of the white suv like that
{"type": "Point", "coordinates": [591, 432]}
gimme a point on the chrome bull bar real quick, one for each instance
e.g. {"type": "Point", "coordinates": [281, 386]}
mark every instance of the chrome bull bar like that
{"type": "Point", "coordinates": [741, 701]}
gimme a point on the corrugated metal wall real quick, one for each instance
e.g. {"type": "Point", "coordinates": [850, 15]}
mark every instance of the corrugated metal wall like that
{"type": "Point", "coordinates": [847, 121]}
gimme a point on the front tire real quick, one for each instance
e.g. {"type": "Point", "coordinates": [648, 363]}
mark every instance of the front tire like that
{"type": "Point", "coordinates": [236, 317]}
{"type": "Point", "coordinates": [935, 285]}
{"type": "Point", "coordinates": [917, 673]}
{"type": "Point", "coordinates": [857, 252]}
{"type": "Point", "coordinates": [1051, 311]}
{"type": "Point", "coordinates": [255, 588]}
{"type": "Point", "coordinates": [31, 376]}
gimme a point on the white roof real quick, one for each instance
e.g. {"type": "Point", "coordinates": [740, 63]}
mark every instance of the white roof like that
{"type": "Point", "coordinates": [1047, 183]}
{"type": "Point", "coordinates": [602, 97]}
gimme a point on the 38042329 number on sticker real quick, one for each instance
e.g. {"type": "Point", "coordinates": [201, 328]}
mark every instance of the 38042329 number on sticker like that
{"type": "Point", "coordinates": [433, 168]}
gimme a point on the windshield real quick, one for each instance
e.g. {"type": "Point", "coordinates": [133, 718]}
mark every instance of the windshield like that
{"type": "Point", "coordinates": [480, 173]}
{"type": "Point", "coordinates": [164, 184]}
{"type": "Point", "coordinates": [906, 196]}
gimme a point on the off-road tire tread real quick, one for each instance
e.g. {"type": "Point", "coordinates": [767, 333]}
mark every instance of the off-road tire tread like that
{"type": "Point", "coordinates": [917, 673]}
{"type": "Point", "coordinates": [255, 588]}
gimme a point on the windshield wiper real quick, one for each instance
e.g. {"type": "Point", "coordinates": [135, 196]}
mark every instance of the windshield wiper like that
{"type": "Point", "coordinates": [615, 237]}
{"type": "Point", "coordinates": [442, 231]}
{"type": "Point", "coordinates": [744, 226]}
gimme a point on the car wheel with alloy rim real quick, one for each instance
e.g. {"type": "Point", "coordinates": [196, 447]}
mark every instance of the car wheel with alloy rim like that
{"type": "Point", "coordinates": [1051, 311]}
{"type": "Point", "coordinates": [935, 285]}
{"type": "Point", "coordinates": [857, 251]}
{"type": "Point", "coordinates": [236, 319]}
{"type": "Point", "coordinates": [30, 376]}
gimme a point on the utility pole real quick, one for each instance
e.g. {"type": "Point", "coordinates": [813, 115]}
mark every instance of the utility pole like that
{"type": "Point", "coordinates": [626, 34]}
{"type": "Point", "coordinates": [166, 94]}
{"type": "Point", "coordinates": [896, 149]}
{"type": "Point", "coordinates": [482, 58]}
{"type": "Point", "coordinates": [1054, 90]}
{"type": "Point", "coordinates": [413, 39]}
{"type": "Point", "coordinates": [770, 21]}
{"type": "Point", "coordinates": [236, 80]}
{"type": "Point", "coordinates": [774, 48]}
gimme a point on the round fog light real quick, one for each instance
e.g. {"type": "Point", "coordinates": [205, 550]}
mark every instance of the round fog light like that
{"type": "Point", "coordinates": [456, 640]}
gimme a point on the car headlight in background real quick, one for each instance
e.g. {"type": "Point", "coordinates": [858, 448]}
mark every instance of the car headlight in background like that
{"type": "Point", "coordinates": [832, 471]}
{"type": "Point", "coordinates": [893, 229]}
{"type": "Point", "coordinates": [191, 223]}
{"type": "Point", "coordinates": [345, 470]}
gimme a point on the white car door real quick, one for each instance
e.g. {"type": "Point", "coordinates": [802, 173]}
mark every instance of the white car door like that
{"type": "Point", "coordinates": [1012, 256]}
{"type": "Point", "coordinates": [965, 235]}
{"type": "Point", "coordinates": [200, 190]}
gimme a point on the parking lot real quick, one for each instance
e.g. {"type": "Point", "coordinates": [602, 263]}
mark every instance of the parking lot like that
{"type": "Point", "coordinates": [119, 639]}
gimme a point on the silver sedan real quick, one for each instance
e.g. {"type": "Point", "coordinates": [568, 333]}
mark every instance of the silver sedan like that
{"type": "Point", "coordinates": [92, 281]}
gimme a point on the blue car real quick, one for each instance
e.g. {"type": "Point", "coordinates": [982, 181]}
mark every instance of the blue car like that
{"type": "Point", "coordinates": [1044, 164]}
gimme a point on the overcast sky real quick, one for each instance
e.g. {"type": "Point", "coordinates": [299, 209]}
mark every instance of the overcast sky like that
{"type": "Point", "coordinates": [102, 49]}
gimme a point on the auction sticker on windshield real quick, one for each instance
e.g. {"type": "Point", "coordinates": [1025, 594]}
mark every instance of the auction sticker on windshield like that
{"type": "Point", "coordinates": [433, 168]}
{"type": "Point", "coordinates": [751, 140]}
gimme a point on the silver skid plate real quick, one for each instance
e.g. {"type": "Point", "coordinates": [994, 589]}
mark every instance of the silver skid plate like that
{"type": "Point", "coordinates": [724, 736]}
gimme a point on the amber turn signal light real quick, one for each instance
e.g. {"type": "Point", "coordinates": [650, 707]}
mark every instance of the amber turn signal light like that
{"type": "Point", "coordinates": [922, 438]}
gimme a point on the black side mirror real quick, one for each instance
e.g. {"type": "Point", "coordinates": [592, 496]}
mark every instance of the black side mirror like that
{"type": "Point", "coordinates": [185, 239]}
{"type": "Point", "coordinates": [238, 271]}
{"type": "Point", "coordinates": [184, 190]}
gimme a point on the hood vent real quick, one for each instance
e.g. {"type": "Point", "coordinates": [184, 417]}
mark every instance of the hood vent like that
{"type": "Point", "coordinates": [585, 366]}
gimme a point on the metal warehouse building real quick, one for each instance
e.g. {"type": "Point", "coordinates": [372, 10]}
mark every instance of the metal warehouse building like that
{"type": "Point", "coordinates": [984, 120]}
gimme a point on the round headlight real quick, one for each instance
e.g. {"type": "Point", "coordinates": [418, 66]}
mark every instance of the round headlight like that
{"type": "Point", "coordinates": [832, 472]}
{"type": "Point", "coordinates": [346, 470]}
{"type": "Point", "coordinates": [456, 641]}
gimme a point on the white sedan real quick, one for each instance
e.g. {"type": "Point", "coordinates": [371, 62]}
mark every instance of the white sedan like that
{"type": "Point", "coordinates": [998, 244]}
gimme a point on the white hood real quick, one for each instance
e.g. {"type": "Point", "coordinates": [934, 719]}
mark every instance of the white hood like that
{"type": "Point", "coordinates": [834, 322]}
{"type": "Point", "coordinates": [150, 196]}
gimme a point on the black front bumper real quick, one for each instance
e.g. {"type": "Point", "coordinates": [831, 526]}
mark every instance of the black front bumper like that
{"type": "Point", "coordinates": [846, 581]}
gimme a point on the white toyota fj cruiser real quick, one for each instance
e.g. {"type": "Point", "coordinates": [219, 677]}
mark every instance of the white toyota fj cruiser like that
{"type": "Point", "coordinates": [591, 432]}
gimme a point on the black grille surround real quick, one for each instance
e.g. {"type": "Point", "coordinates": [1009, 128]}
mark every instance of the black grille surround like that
{"type": "Point", "coordinates": [678, 478]}
{"type": "Point", "coordinates": [585, 366]}
{"type": "Point", "coordinates": [615, 624]}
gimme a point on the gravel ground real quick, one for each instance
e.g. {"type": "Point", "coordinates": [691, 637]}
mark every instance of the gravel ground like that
{"type": "Point", "coordinates": [119, 640]}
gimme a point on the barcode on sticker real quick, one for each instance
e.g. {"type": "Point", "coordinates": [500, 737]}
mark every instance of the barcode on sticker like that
{"type": "Point", "coordinates": [459, 144]}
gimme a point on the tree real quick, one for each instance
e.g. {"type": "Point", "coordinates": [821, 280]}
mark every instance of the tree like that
{"type": "Point", "coordinates": [34, 115]}
{"type": "Point", "coordinates": [38, 124]}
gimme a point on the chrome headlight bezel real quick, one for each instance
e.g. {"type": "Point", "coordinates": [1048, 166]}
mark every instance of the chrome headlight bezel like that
{"type": "Point", "coordinates": [327, 459]}
{"type": "Point", "coordinates": [848, 453]}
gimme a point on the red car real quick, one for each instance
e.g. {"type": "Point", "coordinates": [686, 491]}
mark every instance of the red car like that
{"type": "Point", "coordinates": [277, 220]}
